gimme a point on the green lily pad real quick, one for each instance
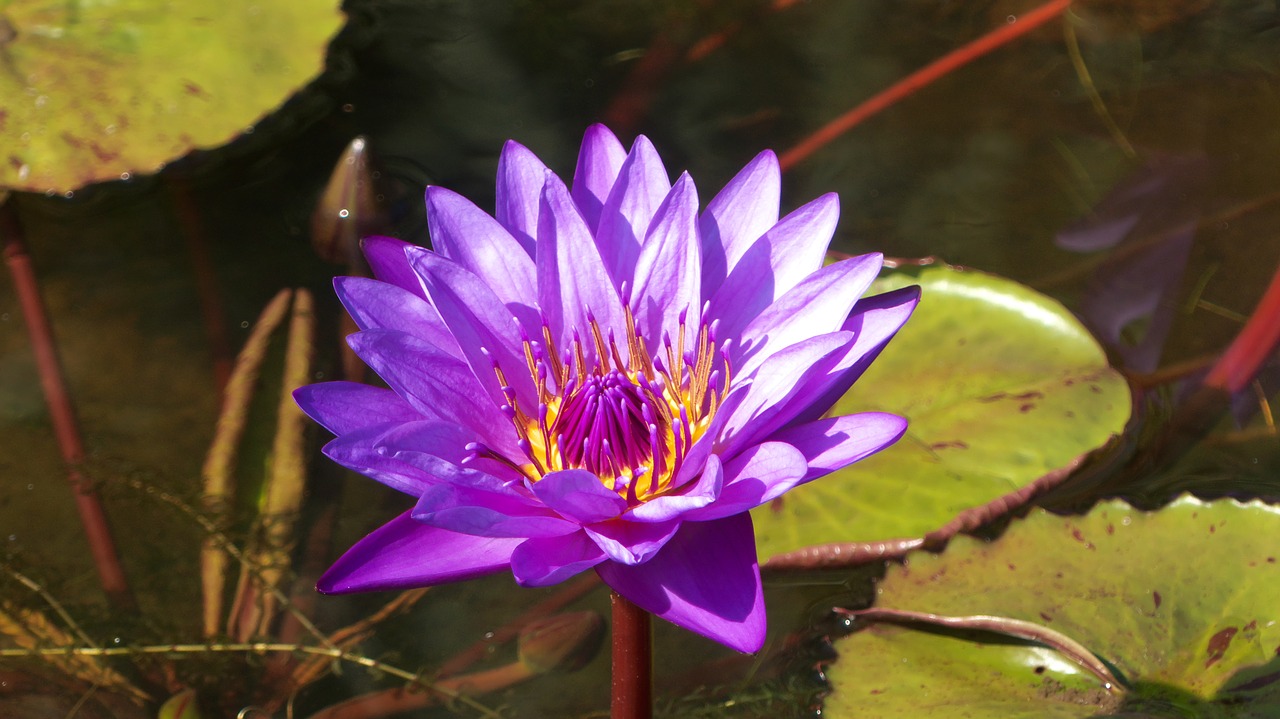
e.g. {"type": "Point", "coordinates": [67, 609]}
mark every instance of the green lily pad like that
{"type": "Point", "coordinates": [91, 91]}
{"type": "Point", "coordinates": [1181, 603]}
{"type": "Point", "coordinates": [1000, 384]}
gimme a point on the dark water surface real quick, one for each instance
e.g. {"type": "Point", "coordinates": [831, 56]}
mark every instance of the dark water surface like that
{"type": "Point", "coordinates": [1156, 221]}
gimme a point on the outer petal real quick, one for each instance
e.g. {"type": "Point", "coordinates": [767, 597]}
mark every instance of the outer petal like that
{"type": "Point", "coordinates": [572, 279]}
{"type": "Point", "coordinates": [520, 178]}
{"type": "Point", "coordinates": [692, 496]}
{"type": "Point", "coordinates": [487, 514]}
{"type": "Point", "coordinates": [403, 553]}
{"type": "Point", "coordinates": [469, 236]}
{"type": "Point", "coordinates": [409, 457]}
{"type": "Point", "coordinates": [641, 186]}
{"type": "Point", "coordinates": [449, 391]}
{"type": "Point", "coordinates": [754, 477]}
{"type": "Point", "coordinates": [599, 161]}
{"type": "Point", "coordinates": [387, 260]}
{"type": "Point", "coordinates": [579, 495]}
{"type": "Point", "coordinates": [632, 542]}
{"type": "Point", "coordinates": [346, 406]}
{"type": "Point", "coordinates": [541, 561]}
{"type": "Point", "coordinates": [374, 304]}
{"type": "Point", "coordinates": [739, 214]}
{"type": "Point", "coordinates": [790, 251]}
{"type": "Point", "coordinates": [667, 272]}
{"type": "Point", "coordinates": [705, 580]}
{"type": "Point", "coordinates": [836, 442]}
{"type": "Point", "coordinates": [819, 304]}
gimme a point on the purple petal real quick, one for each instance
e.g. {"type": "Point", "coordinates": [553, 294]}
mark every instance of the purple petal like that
{"type": "Point", "coordinates": [579, 495]}
{"type": "Point", "coordinates": [542, 561]}
{"type": "Point", "coordinates": [403, 553]}
{"type": "Point", "coordinates": [739, 214]}
{"type": "Point", "coordinates": [386, 257]}
{"type": "Point", "coordinates": [692, 496]}
{"type": "Point", "coordinates": [789, 252]}
{"type": "Point", "coordinates": [374, 304]}
{"type": "Point", "coordinates": [572, 279]}
{"type": "Point", "coordinates": [641, 186]}
{"type": "Point", "coordinates": [411, 456]}
{"type": "Point", "coordinates": [487, 514]}
{"type": "Point", "coordinates": [667, 271]}
{"type": "Point", "coordinates": [467, 235]}
{"type": "Point", "coordinates": [705, 580]}
{"type": "Point", "coordinates": [695, 461]}
{"type": "Point", "coordinates": [519, 189]}
{"type": "Point", "coordinates": [479, 322]}
{"type": "Point", "coordinates": [632, 542]}
{"type": "Point", "coordinates": [437, 384]}
{"type": "Point", "coordinates": [599, 161]}
{"type": "Point", "coordinates": [816, 306]}
{"type": "Point", "coordinates": [759, 474]}
{"type": "Point", "coordinates": [837, 442]}
{"type": "Point", "coordinates": [358, 452]}
{"type": "Point", "coordinates": [342, 407]}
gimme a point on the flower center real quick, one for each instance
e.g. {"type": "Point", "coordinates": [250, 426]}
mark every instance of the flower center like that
{"type": "Point", "coordinates": [630, 422]}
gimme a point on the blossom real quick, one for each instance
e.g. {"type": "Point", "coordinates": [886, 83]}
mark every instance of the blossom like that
{"type": "Point", "coordinates": [604, 378]}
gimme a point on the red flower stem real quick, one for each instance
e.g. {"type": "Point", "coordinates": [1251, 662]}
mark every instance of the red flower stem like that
{"type": "Point", "coordinates": [1250, 349]}
{"type": "Point", "coordinates": [921, 78]}
{"type": "Point", "coordinates": [93, 518]}
{"type": "Point", "coordinates": [632, 661]}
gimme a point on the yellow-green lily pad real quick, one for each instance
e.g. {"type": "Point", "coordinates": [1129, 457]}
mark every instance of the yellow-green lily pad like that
{"type": "Point", "coordinates": [1181, 603]}
{"type": "Point", "coordinates": [96, 90]}
{"type": "Point", "coordinates": [1000, 385]}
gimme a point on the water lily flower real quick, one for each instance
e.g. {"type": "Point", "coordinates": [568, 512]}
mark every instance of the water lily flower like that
{"type": "Point", "coordinates": [603, 377]}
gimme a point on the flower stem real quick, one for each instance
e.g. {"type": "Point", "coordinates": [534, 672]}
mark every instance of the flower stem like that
{"type": "Point", "coordinates": [632, 661]}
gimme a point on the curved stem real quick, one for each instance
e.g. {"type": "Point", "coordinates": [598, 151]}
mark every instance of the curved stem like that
{"type": "Point", "coordinates": [632, 695]}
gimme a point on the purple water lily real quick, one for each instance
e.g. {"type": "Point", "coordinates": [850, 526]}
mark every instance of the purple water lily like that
{"type": "Point", "coordinates": [603, 378]}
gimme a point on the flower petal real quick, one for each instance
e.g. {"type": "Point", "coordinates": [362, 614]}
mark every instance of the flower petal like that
{"type": "Point", "coordinates": [790, 251]}
{"type": "Point", "coordinates": [542, 561]}
{"type": "Point", "coordinates": [836, 442]}
{"type": "Point", "coordinates": [572, 279]}
{"type": "Point", "coordinates": [342, 407]}
{"type": "Point", "coordinates": [409, 457]}
{"type": "Point", "coordinates": [519, 187]}
{"type": "Point", "coordinates": [386, 258]}
{"type": "Point", "coordinates": [706, 579]}
{"type": "Point", "coordinates": [579, 495]}
{"type": "Point", "coordinates": [403, 553]}
{"type": "Point", "coordinates": [754, 477]}
{"type": "Point", "coordinates": [667, 271]}
{"type": "Point", "coordinates": [469, 236]}
{"type": "Point", "coordinates": [632, 542]}
{"type": "Point", "coordinates": [692, 496]}
{"type": "Point", "coordinates": [641, 186]}
{"type": "Point", "coordinates": [448, 391]}
{"type": "Point", "coordinates": [599, 161]}
{"type": "Point", "coordinates": [487, 514]}
{"type": "Point", "coordinates": [818, 305]}
{"type": "Point", "coordinates": [739, 214]}
{"type": "Point", "coordinates": [374, 304]}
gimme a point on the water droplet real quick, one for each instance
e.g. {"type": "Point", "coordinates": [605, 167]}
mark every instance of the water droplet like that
{"type": "Point", "coordinates": [109, 129]}
{"type": "Point", "coordinates": [244, 324]}
{"type": "Point", "coordinates": [24, 172]}
{"type": "Point", "coordinates": [343, 214]}
{"type": "Point", "coordinates": [69, 194]}
{"type": "Point", "coordinates": [13, 537]}
{"type": "Point", "coordinates": [1011, 19]}
{"type": "Point", "coordinates": [125, 176]}
{"type": "Point", "coordinates": [30, 486]}
{"type": "Point", "coordinates": [348, 107]}
{"type": "Point", "coordinates": [115, 640]}
{"type": "Point", "coordinates": [248, 130]}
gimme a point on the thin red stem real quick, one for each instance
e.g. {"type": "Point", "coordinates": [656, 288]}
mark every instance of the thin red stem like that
{"type": "Point", "coordinates": [93, 518]}
{"type": "Point", "coordinates": [920, 78]}
{"type": "Point", "coordinates": [632, 661]}
{"type": "Point", "coordinates": [1244, 357]}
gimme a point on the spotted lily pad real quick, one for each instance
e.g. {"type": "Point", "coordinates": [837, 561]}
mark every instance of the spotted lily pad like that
{"type": "Point", "coordinates": [92, 90]}
{"type": "Point", "coordinates": [1000, 384]}
{"type": "Point", "coordinates": [1180, 602]}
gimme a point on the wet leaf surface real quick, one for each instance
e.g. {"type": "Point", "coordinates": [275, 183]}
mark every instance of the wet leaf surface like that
{"type": "Point", "coordinates": [1180, 602]}
{"type": "Point", "coordinates": [1000, 384]}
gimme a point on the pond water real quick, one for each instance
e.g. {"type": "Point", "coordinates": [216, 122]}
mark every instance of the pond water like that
{"type": "Point", "coordinates": [1126, 168]}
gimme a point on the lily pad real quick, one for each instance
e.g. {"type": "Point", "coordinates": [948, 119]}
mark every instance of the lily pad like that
{"type": "Point", "coordinates": [1180, 602]}
{"type": "Point", "coordinates": [93, 90]}
{"type": "Point", "coordinates": [1000, 384]}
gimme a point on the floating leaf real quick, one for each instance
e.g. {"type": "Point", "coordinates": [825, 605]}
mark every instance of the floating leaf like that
{"type": "Point", "coordinates": [1180, 602]}
{"type": "Point", "coordinates": [1001, 385]}
{"type": "Point", "coordinates": [93, 90]}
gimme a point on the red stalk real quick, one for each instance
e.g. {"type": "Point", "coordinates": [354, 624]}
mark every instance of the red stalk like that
{"type": "Point", "coordinates": [93, 518]}
{"type": "Point", "coordinates": [921, 78]}
{"type": "Point", "coordinates": [632, 693]}
{"type": "Point", "coordinates": [1250, 349]}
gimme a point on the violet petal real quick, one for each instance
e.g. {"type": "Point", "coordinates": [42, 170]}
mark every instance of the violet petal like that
{"type": "Point", "coordinates": [346, 406]}
{"type": "Point", "coordinates": [692, 496]}
{"type": "Point", "coordinates": [836, 442]}
{"type": "Point", "coordinates": [519, 185]}
{"type": "Point", "coordinates": [667, 271]}
{"type": "Point", "coordinates": [543, 561]}
{"type": "Point", "coordinates": [387, 260]}
{"type": "Point", "coordinates": [627, 213]}
{"type": "Point", "coordinates": [374, 304]}
{"type": "Point", "coordinates": [599, 161]}
{"type": "Point", "coordinates": [486, 514]}
{"type": "Point", "coordinates": [469, 236]}
{"type": "Point", "coordinates": [738, 215]}
{"type": "Point", "coordinates": [579, 495]}
{"type": "Point", "coordinates": [632, 542]}
{"type": "Point", "coordinates": [755, 476]}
